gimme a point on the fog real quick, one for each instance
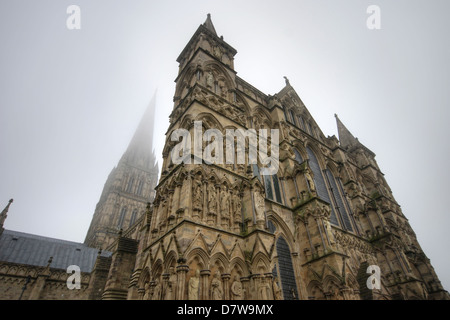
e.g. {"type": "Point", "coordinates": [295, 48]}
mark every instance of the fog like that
{"type": "Point", "coordinates": [70, 100]}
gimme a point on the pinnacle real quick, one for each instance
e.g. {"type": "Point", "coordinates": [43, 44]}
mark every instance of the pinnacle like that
{"type": "Point", "coordinates": [209, 25]}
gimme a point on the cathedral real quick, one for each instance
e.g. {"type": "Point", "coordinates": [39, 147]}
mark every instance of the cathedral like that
{"type": "Point", "coordinates": [324, 225]}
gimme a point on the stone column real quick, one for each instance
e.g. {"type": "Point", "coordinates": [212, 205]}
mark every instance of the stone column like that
{"type": "Point", "coordinates": [246, 288]}
{"type": "Point", "coordinates": [181, 282]}
{"type": "Point", "coordinates": [179, 212]}
{"type": "Point", "coordinates": [226, 286]}
{"type": "Point", "coordinates": [164, 285]}
{"type": "Point", "coordinates": [321, 235]}
{"type": "Point", "coordinates": [204, 216]}
{"type": "Point", "coordinates": [204, 284]}
{"type": "Point", "coordinates": [189, 195]}
{"type": "Point", "coordinates": [170, 206]}
{"type": "Point", "coordinates": [269, 279]}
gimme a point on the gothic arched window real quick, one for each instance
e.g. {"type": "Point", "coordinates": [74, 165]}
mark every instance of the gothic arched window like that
{"type": "Point", "coordinates": [338, 201]}
{"type": "Point", "coordinates": [301, 123]}
{"type": "Point", "coordinates": [123, 212]}
{"type": "Point", "coordinates": [133, 217]}
{"type": "Point", "coordinates": [319, 181]}
{"type": "Point", "coordinates": [272, 186]}
{"type": "Point", "coordinates": [309, 128]}
{"type": "Point", "coordinates": [298, 156]}
{"type": "Point", "coordinates": [292, 117]}
{"type": "Point", "coordinates": [287, 275]}
{"type": "Point", "coordinates": [139, 188]}
{"type": "Point", "coordinates": [130, 184]}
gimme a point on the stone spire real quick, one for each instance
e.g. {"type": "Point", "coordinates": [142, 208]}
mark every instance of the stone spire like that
{"type": "Point", "coordinates": [346, 138]}
{"type": "Point", "coordinates": [129, 186]}
{"type": "Point", "coordinates": [140, 149]}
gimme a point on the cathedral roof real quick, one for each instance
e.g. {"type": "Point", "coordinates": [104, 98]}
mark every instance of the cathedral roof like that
{"type": "Point", "coordinates": [29, 249]}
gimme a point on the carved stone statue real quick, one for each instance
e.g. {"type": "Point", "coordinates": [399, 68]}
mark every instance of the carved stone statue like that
{"type": "Point", "coordinates": [259, 205]}
{"type": "Point", "coordinates": [157, 290]}
{"type": "Point", "coordinates": [225, 202]}
{"type": "Point", "coordinates": [198, 195]}
{"type": "Point", "coordinates": [264, 290]}
{"type": "Point", "coordinates": [210, 80]}
{"type": "Point", "coordinates": [218, 52]}
{"type": "Point", "coordinates": [237, 207]}
{"type": "Point", "coordinates": [236, 289]}
{"type": "Point", "coordinates": [193, 286]}
{"type": "Point", "coordinates": [286, 152]}
{"type": "Point", "coordinates": [146, 291]}
{"type": "Point", "coordinates": [171, 283]}
{"type": "Point", "coordinates": [216, 287]}
{"type": "Point", "coordinates": [212, 198]}
{"type": "Point", "coordinates": [276, 290]}
{"type": "Point", "coordinates": [309, 180]}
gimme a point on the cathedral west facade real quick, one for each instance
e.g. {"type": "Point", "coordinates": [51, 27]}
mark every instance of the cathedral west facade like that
{"type": "Point", "coordinates": [224, 230]}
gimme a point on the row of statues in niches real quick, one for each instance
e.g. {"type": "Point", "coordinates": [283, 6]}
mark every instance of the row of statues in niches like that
{"type": "Point", "coordinates": [218, 287]}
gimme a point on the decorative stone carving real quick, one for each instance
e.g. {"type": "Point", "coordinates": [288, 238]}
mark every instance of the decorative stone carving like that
{"type": "Point", "coordinates": [171, 283]}
{"type": "Point", "coordinates": [236, 289]}
{"type": "Point", "coordinates": [225, 203]}
{"type": "Point", "coordinates": [212, 198]}
{"type": "Point", "coordinates": [210, 80]}
{"type": "Point", "coordinates": [216, 287]}
{"type": "Point", "coordinates": [276, 290]}
{"type": "Point", "coordinates": [157, 290]}
{"type": "Point", "coordinates": [197, 194]}
{"type": "Point", "coordinates": [309, 180]}
{"type": "Point", "coordinates": [193, 286]}
{"type": "Point", "coordinates": [259, 205]}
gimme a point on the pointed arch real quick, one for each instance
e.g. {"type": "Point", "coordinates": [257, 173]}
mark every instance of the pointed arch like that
{"type": "Point", "coordinates": [157, 269]}
{"type": "Point", "coordinates": [281, 228]}
{"type": "Point", "coordinates": [209, 121]}
{"type": "Point", "coordinates": [185, 80]}
{"type": "Point", "coordinates": [144, 277]}
{"type": "Point", "coordinates": [220, 75]}
{"type": "Point", "coordinates": [221, 261]}
{"type": "Point", "coordinates": [315, 290]}
{"type": "Point", "coordinates": [263, 116]}
{"type": "Point", "coordinates": [242, 103]}
{"type": "Point", "coordinates": [260, 263]}
{"type": "Point", "coordinates": [286, 269]}
{"type": "Point", "coordinates": [170, 260]}
{"type": "Point", "coordinates": [319, 181]}
{"type": "Point", "coordinates": [240, 265]}
{"type": "Point", "coordinates": [200, 255]}
{"type": "Point", "coordinates": [338, 200]}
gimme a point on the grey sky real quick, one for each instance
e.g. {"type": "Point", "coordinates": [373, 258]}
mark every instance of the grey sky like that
{"type": "Point", "coordinates": [70, 100]}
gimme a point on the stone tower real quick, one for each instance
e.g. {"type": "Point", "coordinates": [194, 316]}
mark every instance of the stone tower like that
{"type": "Point", "coordinates": [225, 231]}
{"type": "Point", "coordinates": [129, 187]}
